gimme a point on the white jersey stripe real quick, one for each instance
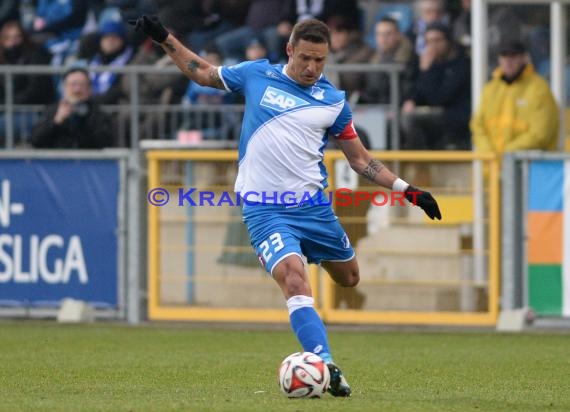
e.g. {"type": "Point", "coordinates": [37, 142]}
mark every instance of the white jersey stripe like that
{"type": "Point", "coordinates": [286, 126]}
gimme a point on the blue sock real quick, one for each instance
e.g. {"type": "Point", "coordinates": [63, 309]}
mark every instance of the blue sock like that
{"type": "Point", "coordinates": [308, 326]}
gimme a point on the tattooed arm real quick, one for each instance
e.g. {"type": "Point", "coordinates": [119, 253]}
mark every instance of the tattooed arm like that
{"type": "Point", "coordinates": [192, 65]}
{"type": "Point", "coordinates": [365, 165]}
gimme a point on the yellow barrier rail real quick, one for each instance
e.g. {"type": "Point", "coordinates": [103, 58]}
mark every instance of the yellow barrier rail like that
{"type": "Point", "coordinates": [162, 254]}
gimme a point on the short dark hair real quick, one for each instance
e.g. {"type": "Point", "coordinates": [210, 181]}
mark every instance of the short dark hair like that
{"type": "Point", "coordinates": [512, 48]}
{"type": "Point", "coordinates": [312, 30]}
{"type": "Point", "coordinates": [339, 22]}
{"type": "Point", "coordinates": [390, 20]}
{"type": "Point", "coordinates": [76, 69]}
{"type": "Point", "coordinates": [442, 28]}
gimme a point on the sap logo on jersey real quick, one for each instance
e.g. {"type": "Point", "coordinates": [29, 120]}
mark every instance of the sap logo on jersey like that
{"type": "Point", "coordinates": [280, 100]}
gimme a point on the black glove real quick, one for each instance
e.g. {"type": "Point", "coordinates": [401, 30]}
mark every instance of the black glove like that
{"type": "Point", "coordinates": [150, 26]}
{"type": "Point", "coordinates": [424, 200]}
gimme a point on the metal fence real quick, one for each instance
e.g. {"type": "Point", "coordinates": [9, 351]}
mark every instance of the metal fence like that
{"type": "Point", "coordinates": [536, 235]}
{"type": "Point", "coordinates": [136, 120]}
{"type": "Point", "coordinates": [413, 271]}
{"type": "Point", "coordinates": [32, 244]}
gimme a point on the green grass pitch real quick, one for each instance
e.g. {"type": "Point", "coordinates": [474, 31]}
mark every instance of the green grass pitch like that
{"type": "Point", "coordinates": [102, 367]}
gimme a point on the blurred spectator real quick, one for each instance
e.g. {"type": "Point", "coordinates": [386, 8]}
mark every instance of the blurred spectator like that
{"type": "Point", "coordinates": [9, 10]}
{"type": "Point", "coordinates": [211, 123]}
{"type": "Point", "coordinates": [59, 24]}
{"type": "Point", "coordinates": [294, 11]}
{"type": "Point", "coordinates": [272, 21]}
{"type": "Point", "coordinates": [199, 22]}
{"type": "Point", "coordinates": [347, 46]}
{"type": "Point", "coordinates": [256, 50]}
{"type": "Point", "coordinates": [436, 114]}
{"type": "Point", "coordinates": [129, 9]}
{"type": "Point", "coordinates": [16, 48]}
{"type": "Point", "coordinates": [206, 23]}
{"type": "Point", "coordinates": [117, 11]}
{"type": "Point", "coordinates": [462, 25]}
{"type": "Point", "coordinates": [184, 16]}
{"type": "Point", "coordinates": [113, 51]}
{"type": "Point", "coordinates": [76, 121]}
{"type": "Point", "coordinates": [346, 8]}
{"type": "Point", "coordinates": [391, 47]}
{"type": "Point", "coordinates": [430, 12]}
{"type": "Point", "coordinates": [88, 47]}
{"type": "Point", "coordinates": [261, 21]}
{"type": "Point", "coordinates": [156, 88]}
{"type": "Point", "coordinates": [505, 24]}
{"type": "Point", "coordinates": [517, 110]}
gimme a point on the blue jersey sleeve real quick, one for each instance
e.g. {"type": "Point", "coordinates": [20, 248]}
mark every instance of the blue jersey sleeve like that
{"type": "Point", "coordinates": [235, 77]}
{"type": "Point", "coordinates": [343, 120]}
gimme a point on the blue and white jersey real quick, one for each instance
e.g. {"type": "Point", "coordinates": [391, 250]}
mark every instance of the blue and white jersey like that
{"type": "Point", "coordinates": [285, 129]}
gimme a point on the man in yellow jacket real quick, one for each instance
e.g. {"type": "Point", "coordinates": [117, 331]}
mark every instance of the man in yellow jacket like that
{"type": "Point", "coordinates": [517, 110]}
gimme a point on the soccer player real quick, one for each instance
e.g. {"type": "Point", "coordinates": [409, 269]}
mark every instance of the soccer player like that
{"type": "Point", "coordinates": [290, 112]}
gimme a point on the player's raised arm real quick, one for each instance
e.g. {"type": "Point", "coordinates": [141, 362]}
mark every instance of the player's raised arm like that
{"type": "Point", "coordinates": [365, 165]}
{"type": "Point", "coordinates": [192, 65]}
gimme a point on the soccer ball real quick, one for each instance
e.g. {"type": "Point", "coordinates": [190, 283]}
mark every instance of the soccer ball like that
{"type": "Point", "coordinates": [303, 375]}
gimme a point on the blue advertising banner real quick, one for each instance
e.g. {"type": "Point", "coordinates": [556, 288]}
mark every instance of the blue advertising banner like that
{"type": "Point", "coordinates": [58, 231]}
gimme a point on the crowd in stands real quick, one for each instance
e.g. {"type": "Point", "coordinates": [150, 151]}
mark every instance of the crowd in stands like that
{"type": "Point", "coordinates": [76, 120]}
{"type": "Point", "coordinates": [429, 38]}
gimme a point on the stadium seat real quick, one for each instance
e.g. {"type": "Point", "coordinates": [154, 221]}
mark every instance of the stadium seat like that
{"type": "Point", "coordinates": [457, 209]}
